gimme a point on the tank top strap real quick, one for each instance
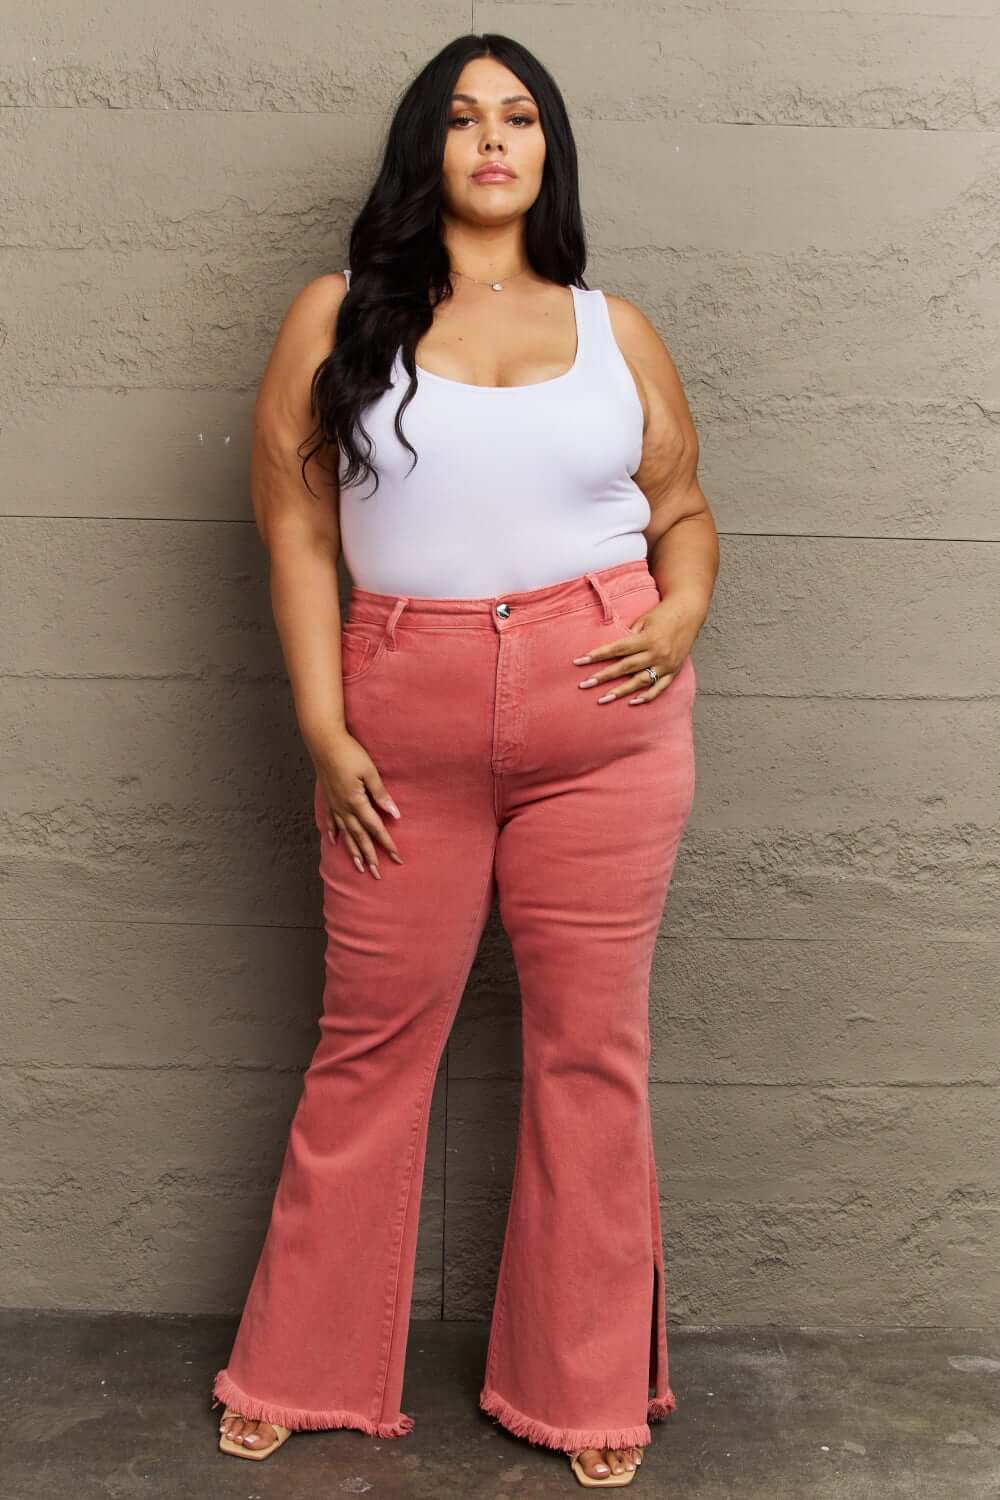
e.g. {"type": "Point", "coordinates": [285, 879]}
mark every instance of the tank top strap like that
{"type": "Point", "coordinates": [594, 328]}
{"type": "Point", "coordinates": [347, 273]}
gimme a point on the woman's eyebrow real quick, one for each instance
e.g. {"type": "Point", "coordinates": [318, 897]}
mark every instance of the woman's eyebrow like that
{"type": "Point", "coordinates": [509, 99]}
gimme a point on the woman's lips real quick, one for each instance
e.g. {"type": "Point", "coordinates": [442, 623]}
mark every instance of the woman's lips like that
{"type": "Point", "coordinates": [493, 174]}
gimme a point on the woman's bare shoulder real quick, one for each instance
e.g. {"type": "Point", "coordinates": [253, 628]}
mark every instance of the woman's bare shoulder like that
{"type": "Point", "coordinates": [304, 339]}
{"type": "Point", "coordinates": [652, 366]}
{"type": "Point", "coordinates": [318, 302]}
{"type": "Point", "coordinates": [632, 329]}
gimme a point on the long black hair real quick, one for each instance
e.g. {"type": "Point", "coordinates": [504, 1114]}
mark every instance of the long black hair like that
{"type": "Point", "coordinates": [399, 263]}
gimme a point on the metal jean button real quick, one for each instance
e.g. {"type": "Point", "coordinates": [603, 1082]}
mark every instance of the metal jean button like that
{"type": "Point", "coordinates": [503, 609]}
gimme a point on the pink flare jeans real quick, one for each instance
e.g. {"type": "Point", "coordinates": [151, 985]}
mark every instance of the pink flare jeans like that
{"type": "Point", "coordinates": [512, 783]}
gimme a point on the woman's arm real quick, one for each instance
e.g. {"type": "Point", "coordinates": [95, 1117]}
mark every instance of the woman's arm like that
{"type": "Point", "coordinates": [682, 542]}
{"type": "Point", "coordinates": [301, 530]}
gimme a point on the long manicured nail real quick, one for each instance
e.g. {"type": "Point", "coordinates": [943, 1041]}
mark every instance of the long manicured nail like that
{"type": "Point", "coordinates": [606, 698]}
{"type": "Point", "coordinates": [579, 661]}
{"type": "Point", "coordinates": [587, 682]}
{"type": "Point", "coordinates": [360, 863]}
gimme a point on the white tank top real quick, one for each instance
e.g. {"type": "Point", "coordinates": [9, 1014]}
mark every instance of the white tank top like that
{"type": "Point", "coordinates": [516, 486]}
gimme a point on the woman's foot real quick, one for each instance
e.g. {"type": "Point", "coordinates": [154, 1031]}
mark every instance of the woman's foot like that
{"type": "Point", "coordinates": [601, 1463]}
{"type": "Point", "coordinates": [251, 1434]}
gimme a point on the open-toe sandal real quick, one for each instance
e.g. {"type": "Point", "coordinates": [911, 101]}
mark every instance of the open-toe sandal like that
{"type": "Point", "coordinates": [610, 1481]}
{"type": "Point", "coordinates": [229, 1445]}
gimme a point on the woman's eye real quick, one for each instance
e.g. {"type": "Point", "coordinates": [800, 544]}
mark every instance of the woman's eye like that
{"type": "Point", "coordinates": [458, 119]}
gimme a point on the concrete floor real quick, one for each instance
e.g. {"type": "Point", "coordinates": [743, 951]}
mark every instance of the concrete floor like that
{"type": "Point", "coordinates": [116, 1406]}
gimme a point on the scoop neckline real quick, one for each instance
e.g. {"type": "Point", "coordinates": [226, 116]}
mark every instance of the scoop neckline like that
{"type": "Point", "coordinates": [531, 385]}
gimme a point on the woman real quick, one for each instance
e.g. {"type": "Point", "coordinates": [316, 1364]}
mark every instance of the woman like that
{"type": "Point", "coordinates": [531, 510]}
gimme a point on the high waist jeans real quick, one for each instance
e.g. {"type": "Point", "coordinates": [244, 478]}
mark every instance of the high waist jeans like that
{"type": "Point", "coordinates": [512, 782]}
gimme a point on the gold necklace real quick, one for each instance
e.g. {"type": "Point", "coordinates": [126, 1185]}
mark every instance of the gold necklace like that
{"type": "Point", "coordinates": [496, 286]}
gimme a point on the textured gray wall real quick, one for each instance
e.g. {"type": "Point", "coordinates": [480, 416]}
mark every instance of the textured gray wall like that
{"type": "Point", "coordinates": [806, 202]}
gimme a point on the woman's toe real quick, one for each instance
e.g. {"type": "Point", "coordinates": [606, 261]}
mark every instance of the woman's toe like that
{"type": "Point", "coordinates": [592, 1463]}
{"type": "Point", "coordinates": [263, 1434]}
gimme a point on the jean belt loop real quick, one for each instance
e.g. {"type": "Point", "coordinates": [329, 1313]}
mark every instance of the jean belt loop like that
{"type": "Point", "coordinates": [390, 624]}
{"type": "Point", "coordinates": [602, 594]}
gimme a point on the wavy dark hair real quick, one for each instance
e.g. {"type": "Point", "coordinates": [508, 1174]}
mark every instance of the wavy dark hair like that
{"type": "Point", "coordinates": [398, 259]}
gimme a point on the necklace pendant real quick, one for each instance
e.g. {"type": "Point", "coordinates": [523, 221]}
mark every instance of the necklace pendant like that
{"type": "Point", "coordinates": [497, 286]}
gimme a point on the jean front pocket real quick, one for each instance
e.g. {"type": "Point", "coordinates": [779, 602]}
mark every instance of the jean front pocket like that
{"type": "Point", "coordinates": [628, 607]}
{"type": "Point", "coordinates": [362, 646]}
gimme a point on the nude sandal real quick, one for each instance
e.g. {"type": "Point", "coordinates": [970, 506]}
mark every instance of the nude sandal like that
{"type": "Point", "coordinates": [229, 1445]}
{"type": "Point", "coordinates": [610, 1480]}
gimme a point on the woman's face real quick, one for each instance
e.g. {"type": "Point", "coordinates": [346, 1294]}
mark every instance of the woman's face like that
{"type": "Point", "coordinates": [495, 122]}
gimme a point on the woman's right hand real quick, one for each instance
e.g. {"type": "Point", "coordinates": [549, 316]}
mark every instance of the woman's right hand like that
{"type": "Point", "coordinates": [351, 787]}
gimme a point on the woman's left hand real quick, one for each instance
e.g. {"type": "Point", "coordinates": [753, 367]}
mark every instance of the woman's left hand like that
{"type": "Point", "coordinates": [660, 638]}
